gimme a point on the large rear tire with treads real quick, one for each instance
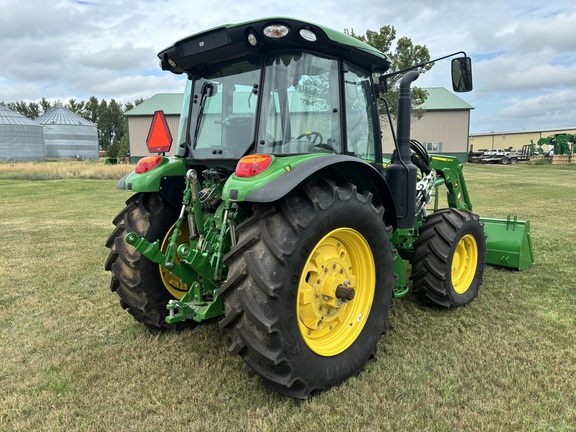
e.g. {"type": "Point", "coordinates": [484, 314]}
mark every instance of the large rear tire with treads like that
{"type": "Point", "coordinates": [309, 287]}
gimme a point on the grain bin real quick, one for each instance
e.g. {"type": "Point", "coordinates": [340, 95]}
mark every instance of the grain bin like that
{"type": "Point", "coordinates": [20, 138]}
{"type": "Point", "coordinates": [68, 135]}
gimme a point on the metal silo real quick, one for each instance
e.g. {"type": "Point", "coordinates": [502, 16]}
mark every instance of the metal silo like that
{"type": "Point", "coordinates": [68, 135]}
{"type": "Point", "coordinates": [20, 138]}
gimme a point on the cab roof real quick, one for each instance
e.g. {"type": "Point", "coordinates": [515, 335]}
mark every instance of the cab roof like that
{"type": "Point", "coordinates": [230, 41]}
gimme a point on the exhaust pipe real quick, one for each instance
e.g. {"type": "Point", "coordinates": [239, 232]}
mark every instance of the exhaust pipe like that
{"type": "Point", "coordinates": [401, 173]}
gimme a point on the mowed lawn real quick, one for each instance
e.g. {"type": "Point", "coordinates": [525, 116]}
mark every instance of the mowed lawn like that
{"type": "Point", "coordinates": [71, 359]}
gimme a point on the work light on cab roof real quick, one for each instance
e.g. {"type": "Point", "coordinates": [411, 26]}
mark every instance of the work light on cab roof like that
{"type": "Point", "coordinates": [276, 31]}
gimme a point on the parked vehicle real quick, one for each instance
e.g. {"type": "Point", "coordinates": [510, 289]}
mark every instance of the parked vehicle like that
{"type": "Point", "coordinates": [279, 215]}
{"type": "Point", "coordinates": [503, 157]}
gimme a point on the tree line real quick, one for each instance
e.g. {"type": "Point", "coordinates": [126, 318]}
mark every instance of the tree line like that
{"type": "Point", "coordinates": [107, 115]}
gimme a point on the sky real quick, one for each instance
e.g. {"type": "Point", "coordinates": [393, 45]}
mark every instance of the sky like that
{"type": "Point", "coordinates": [523, 51]}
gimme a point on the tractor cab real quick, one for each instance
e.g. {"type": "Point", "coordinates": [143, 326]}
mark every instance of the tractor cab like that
{"type": "Point", "coordinates": [283, 87]}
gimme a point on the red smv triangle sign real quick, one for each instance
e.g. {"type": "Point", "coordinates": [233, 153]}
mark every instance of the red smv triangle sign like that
{"type": "Point", "coordinates": [159, 137]}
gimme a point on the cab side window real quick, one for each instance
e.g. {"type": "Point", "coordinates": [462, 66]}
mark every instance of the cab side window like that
{"type": "Point", "coordinates": [361, 117]}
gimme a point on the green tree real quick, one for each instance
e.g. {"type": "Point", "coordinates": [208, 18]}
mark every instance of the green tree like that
{"type": "Point", "coordinates": [129, 105]}
{"type": "Point", "coordinates": [75, 106]}
{"type": "Point", "coordinates": [91, 109]}
{"type": "Point", "coordinates": [104, 126]}
{"type": "Point", "coordinates": [116, 117]}
{"type": "Point", "coordinates": [33, 110]}
{"type": "Point", "coordinates": [45, 105]}
{"type": "Point", "coordinates": [110, 123]}
{"type": "Point", "coordinates": [120, 147]}
{"type": "Point", "coordinates": [404, 55]}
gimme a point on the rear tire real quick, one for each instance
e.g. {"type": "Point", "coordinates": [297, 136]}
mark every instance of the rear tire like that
{"type": "Point", "coordinates": [449, 258]}
{"type": "Point", "coordinates": [286, 323]}
{"type": "Point", "coordinates": [143, 289]}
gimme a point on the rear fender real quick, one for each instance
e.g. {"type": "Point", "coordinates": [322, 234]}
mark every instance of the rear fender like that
{"type": "Point", "coordinates": [150, 181]}
{"type": "Point", "coordinates": [289, 172]}
{"type": "Point", "coordinates": [168, 178]}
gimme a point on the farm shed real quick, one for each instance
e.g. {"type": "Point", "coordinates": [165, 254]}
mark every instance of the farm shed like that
{"type": "Point", "coordinates": [444, 128]}
{"type": "Point", "coordinates": [513, 139]}
{"type": "Point", "coordinates": [20, 138]}
{"type": "Point", "coordinates": [68, 135]}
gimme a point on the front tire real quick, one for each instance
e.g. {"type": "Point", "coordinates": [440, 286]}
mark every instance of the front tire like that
{"type": "Point", "coordinates": [449, 258]}
{"type": "Point", "coordinates": [287, 323]}
{"type": "Point", "coordinates": [144, 287]}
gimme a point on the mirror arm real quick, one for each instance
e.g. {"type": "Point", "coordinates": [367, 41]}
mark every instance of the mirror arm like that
{"type": "Point", "coordinates": [422, 64]}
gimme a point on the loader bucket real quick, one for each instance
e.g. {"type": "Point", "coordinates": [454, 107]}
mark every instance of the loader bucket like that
{"type": "Point", "coordinates": [508, 243]}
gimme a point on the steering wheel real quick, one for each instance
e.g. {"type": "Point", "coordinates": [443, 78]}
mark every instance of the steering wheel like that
{"type": "Point", "coordinates": [316, 136]}
{"type": "Point", "coordinates": [323, 147]}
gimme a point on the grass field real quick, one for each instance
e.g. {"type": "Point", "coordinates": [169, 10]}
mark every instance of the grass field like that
{"type": "Point", "coordinates": [72, 359]}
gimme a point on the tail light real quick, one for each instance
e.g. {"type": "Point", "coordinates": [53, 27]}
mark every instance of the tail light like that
{"type": "Point", "coordinates": [252, 165]}
{"type": "Point", "coordinates": [148, 163]}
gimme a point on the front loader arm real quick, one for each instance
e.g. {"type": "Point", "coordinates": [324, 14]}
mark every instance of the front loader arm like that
{"type": "Point", "coordinates": [449, 170]}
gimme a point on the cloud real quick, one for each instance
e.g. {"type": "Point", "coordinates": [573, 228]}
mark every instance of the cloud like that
{"type": "Point", "coordinates": [121, 58]}
{"type": "Point", "coordinates": [556, 107]}
{"type": "Point", "coordinates": [128, 88]}
{"type": "Point", "coordinates": [523, 52]}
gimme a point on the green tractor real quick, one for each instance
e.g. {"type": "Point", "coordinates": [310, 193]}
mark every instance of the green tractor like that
{"type": "Point", "coordinates": [279, 215]}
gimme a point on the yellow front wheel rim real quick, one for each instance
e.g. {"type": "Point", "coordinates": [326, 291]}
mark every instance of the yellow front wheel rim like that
{"type": "Point", "coordinates": [341, 261]}
{"type": "Point", "coordinates": [464, 264]}
{"type": "Point", "coordinates": [172, 282]}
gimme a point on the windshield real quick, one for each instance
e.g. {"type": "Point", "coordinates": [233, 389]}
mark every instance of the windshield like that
{"type": "Point", "coordinates": [224, 102]}
{"type": "Point", "coordinates": [300, 114]}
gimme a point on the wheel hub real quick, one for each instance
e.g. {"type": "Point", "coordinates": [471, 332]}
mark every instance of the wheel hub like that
{"type": "Point", "coordinates": [464, 264]}
{"type": "Point", "coordinates": [325, 304]}
{"type": "Point", "coordinates": [336, 291]}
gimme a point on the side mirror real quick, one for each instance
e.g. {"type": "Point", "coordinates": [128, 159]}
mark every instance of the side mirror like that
{"type": "Point", "coordinates": [462, 74]}
{"type": "Point", "coordinates": [382, 86]}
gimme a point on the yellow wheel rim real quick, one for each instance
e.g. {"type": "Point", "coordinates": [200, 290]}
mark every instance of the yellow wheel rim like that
{"type": "Point", "coordinates": [329, 323]}
{"type": "Point", "coordinates": [172, 282]}
{"type": "Point", "coordinates": [464, 263]}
